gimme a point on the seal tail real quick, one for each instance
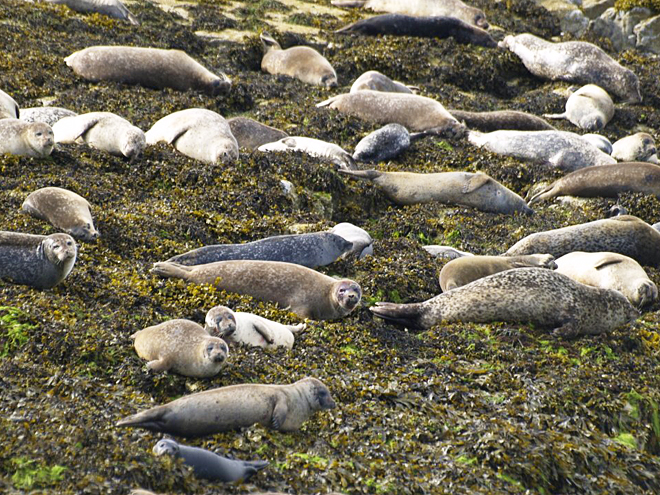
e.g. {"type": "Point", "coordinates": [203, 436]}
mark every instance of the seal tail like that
{"type": "Point", "coordinates": [328, 102]}
{"type": "Point", "coordinates": [252, 468]}
{"type": "Point", "coordinates": [556, 116]}
{"type": "Point", "coordinates": [299, 328]}
{"type": "Point", "coordinates": [542, 195]}
{"type": "Point", "coordinates": [167, 269]}
{"type": "Point", "coordinates": [361, 174]}
{"type": "Point", "coordinates": [407, 315]}
{"type": "Point", "coordinates": [151, 419]}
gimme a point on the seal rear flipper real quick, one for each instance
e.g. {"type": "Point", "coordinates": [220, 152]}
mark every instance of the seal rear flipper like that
{"type": "Point", "coordinates": [329, 101]}
{"type": "Point", "coordinates": [542, 195]}
{"type": "Point", "coordinates": [252, 468]}
{"type": "Point", "coordinates": [167, 269]}
{"type": "Point", "coordinates": [151, 419]}
{"type": "Point", "coordinates": [268, 41]}
{"type": "Point", "coordinates": [348, 3]}
{"type": "Point", "coordinates": [362, 174]}
{"type": "Point", "coordinates": [555, 116]}
{"type": "Point", "coordinates": [299, 328]}
{"type": "Point", "coordinates": [407, 315]}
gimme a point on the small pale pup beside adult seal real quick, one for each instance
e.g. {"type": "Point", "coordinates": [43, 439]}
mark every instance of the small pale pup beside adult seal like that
{"type": "Point", "coordinates": [375, 81]}
{"type": "Point", "coordinates": [590, 108]}
{"type": "Point", "coordinates": [111, 8]}
{"type": "Point", "coordinates": [64, 209]}
{"type": "Point", "coordinates": [301, 62]}
{"type": "Point", "coordinates": [25, 139]}
{"type": "Point", "coordinates": [301, 290]}
{"type": "Point", "coordinates": [39, 261]}
{"type": "Point", "coordinates": [639, 147]}
{"type": "Point", "coordinates": [8, 107]}
{"type": "Point", "coordinates": [182, 346]}
{"type": "Point", "coordinates": [281, 407]}
{"type": "Point", "coordinates": [313, 147]}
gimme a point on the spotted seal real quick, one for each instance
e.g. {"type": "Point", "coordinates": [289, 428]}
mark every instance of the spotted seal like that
{"type": "Point", "coordinates": [25, 139]}
{"type": "Point", "coordinates": [313, 147]}
{"type": "Point", "coordinates": [385, 143]}
{"type": "Point", "coordinates": [376, 81]}
{"type": "Point", "coordinates": [501, 120]}
{"type": "Point", "coordinates": [111, 8]}
{"type": "Point", "coordinates": [590, 108]}
{"type": "Point", "coordinates": [8, 107]}
{"type": "Point", "coordinates": [447, 252]}
{"type": "Point", "coordinates": [47, 115]}
{"type": "Point", "coordinates": [639, 147]}
{"type": "Point", "coordinates": [251, 134]}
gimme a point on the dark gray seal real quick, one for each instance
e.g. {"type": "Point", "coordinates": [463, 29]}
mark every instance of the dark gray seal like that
{"type": "Point", "coordinates": [501, 120]}
{"type": "Point", "coordinates": [111, 8]}
{"type": "Point", "coordinates": [47, 115]}
{"type": "Point", "coordinates": [251, 134]}
{"type": "Point", "coordinates": [385, 143]}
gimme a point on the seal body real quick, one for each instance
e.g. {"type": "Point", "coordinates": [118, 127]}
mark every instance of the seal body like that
{"type": "Point", "coordinates": [638, 147]}
{"type": "Point", "coordinates": [589, 108]}
{"type": "Point", "coordinates": [525, 295]}
{"type": "Point", "coordinates": [47, 115]}
{"type": "Point", "coordinates": [610, 271]}
{"type": "Point", "coordinates": [8, 107]}
{"type": "Point", "coordinates": [363, 244]}
{"type": "Point", "coordinates": [182, 346]}
{"type": "Point", "coordinates": [281, 407]}
{"type": "Point", "coordinates": [36, 260]}
{"type": "Point", "coordinates": [376, 81]}
{"type": "Point", "coordinates": [251, 134]}
{"type": "Point", "coordinates": [25, 139]}
{"type": "Point", "coordinates": [307, 293]}
{"type": "Point", "coordinates": [64, 209]}
{"type": "Point", "coordinates": [382, 144]}
{"type": "Point", "coordinates": [574, 61]}
{"type": "Point", "coordinates": [111, 8]}
{"type": "Point", "coordinates": [446, 252]}
{"type": "Point", "coordinates": [501, 119]}
{"type": "Point", "coordinates": [314, 147]}
{"type": "Point", "coordinates": [149, 67]}
{"type": "Point", "coordinates": [600, 142]}
{"type": "Point", "coordinates": [198, 133]}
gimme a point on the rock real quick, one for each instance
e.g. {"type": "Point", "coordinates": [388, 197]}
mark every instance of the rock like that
{"type": "Point", "coordinates": [618, 26]}
{"type": "Point", "coordinates": [594, 8]}
{"type": "Point", "coordinates": [648, 34]}
{"type": "Point", "coordinates": [575, 23]}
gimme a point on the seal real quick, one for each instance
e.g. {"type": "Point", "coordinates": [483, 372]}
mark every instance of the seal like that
{"type": "Point", "coordinates": [446, 252]}
{"type": "Point", "coordinates": [624, 234]}
{"type": "Point", "coordinates": [281, 407]}
{"type": "Point", "coordinates": [501, 120]}
{"type": "Point", "coordinates": [638, 147]}
{"type": "Point", "coordinates": [466, 269]}
{"type": "Point", "coordinates": [64, 209]}
{"type": "Point", "coordinates": [300, 62]}
{"type": "Point", "coordinates": [25, 139]}
{"type": "Point", "coordinates": [478, 190]}
{"type": "Point", "coordinates": [604, 181]}
{"type": "Point", "coordinates": [312, 147]}
{"type": "Point", "coordinates": [150, 67]}
{"type": "Point", "coordinates": [104, 131]}
{"type": "Point", "coordinates": [303, 291]}
{"type": "Point", "coordinates": [310, 250]}
{"type": "Point", "coordinates": [39, 261]}
{"type": "Point", "coordinates": [525, 295]}
{"type": "Point", "coordinates": [209, 465]}
{"type": "Point", "coordinates": [198, 133]}
{"type": "Point", "coordinates": [424, 27]}
{"type": "Point", "coordinates": [376, 81]}
{"type": "Point", "coordinates": [610, 271]}
{"type": "Point", "coordinates": [385, 143]}
{"type": "Point", "coordinates": [363, 244]}
{"type": "Point", "coordinates": [600, 142]}
{"type": "Point", "coordinates": [574, 61]}
{"type": "Point", "coordinates": [251, 134]}
{"type": "Point", "coordinates": [246, 328]}
{"type": "Point", "coordinates": [111, 8]}
{"type": "Point", "coordinates": [416, 113]}
{"type": "Point", "coordinates": [556, 149]}
{"type": "Point", "coordinates": [47, 115]}
{"type": "Point", "coordinates": [8, 107]}
{"type": "Point", "coordinates": [589, 108]}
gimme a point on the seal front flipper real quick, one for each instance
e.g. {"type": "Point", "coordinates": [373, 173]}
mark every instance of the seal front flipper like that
{"type": "Point", "coordinates": [158, 365]}
{"type": "Point", "coordinates": [475, 182]}
{"type": "Point", "coordinates": [279, 413]}
{"type": "Point", "coordinates": [407, 315]}
{"type": "Point", "coordinates": [263, 330]}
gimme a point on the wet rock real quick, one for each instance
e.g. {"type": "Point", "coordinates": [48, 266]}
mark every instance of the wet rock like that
{"type": "Point", "coordinates": [648, 34]}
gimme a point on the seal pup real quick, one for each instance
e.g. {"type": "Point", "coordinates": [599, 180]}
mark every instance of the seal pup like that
{"type": "Point", "coordinates": [424, 27]}
{"type": "Point", "coordinates": [525, 295]}
{"type": "Point", "coordinates": [39, 261]}
{"type": "Point", "coordinates": [557, 149]}
{"type": "Point", "coordinates": [25, 139]}
{"type": "Point", "coordinates": [600, 142]}
{"type": "Point", "coordinates": [182, 346]}
{"type": "Point", "coordinates": [574, 61]}
{"type": "Point", "coordinates": [610, 271]}
{"type": "Point", "coordinates": [64, 209]}
{"type": "Point", "coordinates": [314, 147]}
{"type": "Point", "coordinates": [301, 290]}
{"type": "Point", "coordinates": [466, 269]}
{"type": "Point", "coordinates": [198, 133]}
{"type": "Point", "coordinates": [416, 113]}
{"type": "Point", "coordinates": [111, 8]}
{"type": "Point", "coordinates": [590, 108]}
{"type": "Point", "coordinates": [638, 147]}
{"type": "Point", "coordinates": [209, 465]}
{"type": "Point", "coordinates": [363, 244]}
{"type": "Point", "coordinates": [251, 134]}
{"type": "Point", "coordinates": [281, 407]}
{"type": "Point", "coordinates": [501, 120]}
{"type": "Point", "coordinates": [385, 143]}
{"type": "Point", "coordinates": [447, 252]}
{"type": "Point", "coordinates": [624, 234]}
{"type": "Point", "coordinates": [246, 328]}
{"type": "Point", "coordinates": [300, 62]}
{"type": "Point", "coordinates": [104, 131]}
{"type": "Point", "coordinates": [478, 190]}
{"type": "Point", "coordinates": [47, 115]}
{"type": "Point", "coordinates": [8, 107]}
{"type": "Point", "coordinates": [310, 250]}
{"type": "Point", "coordinates": [376, 81]}
{"type": "Point", "coordinates": [150, 67]}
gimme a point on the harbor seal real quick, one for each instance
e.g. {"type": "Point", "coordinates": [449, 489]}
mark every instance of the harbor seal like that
{"type": "Point", "coordinates": [8, 107]}
{"type": "Point", "coordinates": [478, 190]}
{"type": "Point", "coordinates": [310, 250]}
{"type": "Point", "coordinates": [104, 131]}
{"type": "Point", "coordinates": [246, 328]}
{"type": "Point", "coordinates": [416, 113]}
{"type": "Point", "coordinates": [600, 142]}
{"type": "Point", "coordinates": [111, 8]}
{"type": "Point", "coordinates": [624, 234]}
{"type": "Point", "coordinates": [150, 67]}
{"type": "Point", "coordinates": [301, 290]}
{"type": "Point", "coordinates": [501, 120]}
{"type": "Point", "coordinates": [64, 209]}
{"type": "Point", "coordinates": [466, 269]}
{"type": "Point", "coordinates": [574, 61]}
{"type": "Point", "coordinates": [39, 261]}
{"type": "Point", "coordinates": [525, 295]}
{"type": "Point", "coordinates": [385, 143]}
{"type": "Point", "coordinates": [638, 147]}
{"type": "Point", "coordinates": [610, 271]}
{"type": "Point", "coordinates": [25, 139]}
{"type": "Point", "coordinates": [251, 134]}
{"type": "Point", "coordinates": [313, 147]}
{"type": "Point", "coordinates": [281, 407]}
{"type": "Point", "coordinates": [300, 62]}
{"type": "Point", "coordinates": [47, 115]}
{"type": "Point", "coordinates": [198, 133]}
{"type": "Point", "coordinates": [363, 244]}
{"type": "Point", "coordinates": [376, 81]}
{"type": "Point", "coordinates": [209, 465]}
{"type": "Point", "coordinates": [590, 108]}
{"type": "Point", "coordinates": [446, 252]}
{"type": "Point", "coordinates": [182, 346]}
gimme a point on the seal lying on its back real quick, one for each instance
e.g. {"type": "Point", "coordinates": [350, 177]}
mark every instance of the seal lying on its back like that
{"type": "Point", "coordinates": [639, 147]}
{"type": "Point", "coordinates": [8, 107]}
{"type": "Point", "coordinates": [525, 295]}
{"type": "Point", "coordinates": [501, 120]}
{"type": "Point", "coordinates": [25, 139]}
{"type": "Point", "coordinates": [589, 108]}
{"type": "Point", "coordinates": [314, 147]}
{"type": "Point", "coordinates": [251, 134]}
{"type": "Point", "coordinates": [376, 81]}
{"type": "Point", "coordinates": [47, 115]}
{"type": "Point", "coordinates": [111, 8]}
{"type": "Point", "coordinates": [281, 407]}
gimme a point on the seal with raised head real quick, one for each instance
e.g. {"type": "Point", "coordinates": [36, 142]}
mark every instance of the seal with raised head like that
{"type": "Point", "coordinates": [47, 115]}
{"type": "Point", "coordinates": [313, 147]}
{"type": "Point", "coordinates": [639, 147]}
{"type": "Point", "coordinates": [64, 209]}
{"type": "Point", "coordinates": [8, 107]}
{"type": "Point", "coordinates": [149, 67]}
{"type": "Point", "coordinates": [301, 62]}
{"type": "Point", "coordinates": [525, 295]}
{"type": "Point", "coordinates": [299, 289]}
{"type": "Point", "coordinates": [251, 134]}
{"type": "Point", "coordinates": [589, 108]}
{"type": "Point", "coordinates": [478, 190]}
{"type": "Point", "coordinates": [363, 243]}
{"type": "Point", "coordinates": [376, 81]}
{"type": "Point", "coordinates": [209, 465]}
{"type": "Point", "coordinates": [36, 260]}
{"type": "Point", "coordinates": [574, 61]}
{"type": "Point", "coordinates": [104, 131]}
{"type": "Point", "coordinates": [111, 8]}
{"type": "Point", "coordinates": [501, 120]}
{"type": "Point", "coordinates": [182, 346]}
{"type": "Point", "coordinates": [247, 328]}
{"type": "Point", "coordinates": [198, 133]}
{"type": "Point", "coordinates": [447, 252]}
{"type": "Point", "coordinates": [281, 407]}
{"type": "Point", "coordinates": [25, 139]}
{"type": "Point", "coordinates": [385, 143]}
{"type": "Point", "coordinates": [610, 271]}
